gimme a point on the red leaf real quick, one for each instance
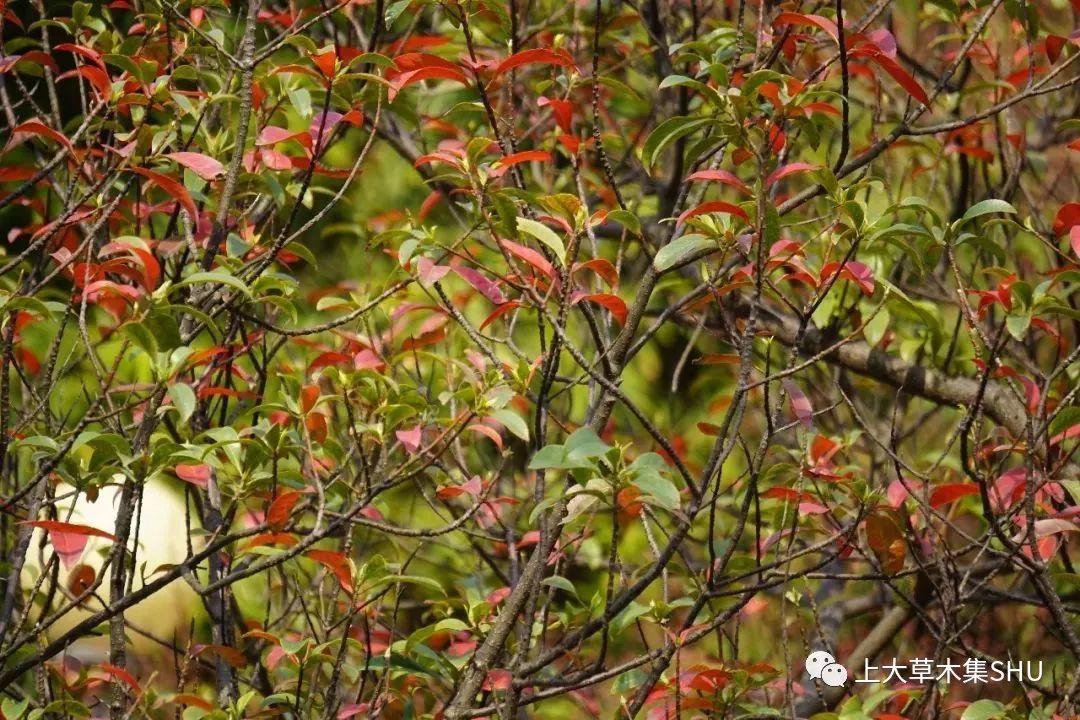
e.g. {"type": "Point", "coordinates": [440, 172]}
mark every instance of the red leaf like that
{"type": "Point", "coordinates": [481, 283]}
{"type": "Point", "coordinates": [508, 161]}
{"type": "Point", "coordinates": [601, 267]}
{"type": "Point", "coordinates": [613, 303]}
{"type": "Point", "coordinates": [204, 166]}
{"type": "Point", "coordinates": [31, 128]}
{"type": "Point", "coordinates": [97, 77]}
{"type": "Point", "coordinates": [16, 173]}
{"type": "Point", "coordinates": [68, 539]}
{"type": "Point", "coordinates": [563, 111]}
{"type": "Point", "coordinates": [714, 206]}
{"type": "Point", "coordinates": [33, 56]}
{"type": "Point", "coordinates": [499, 312]}
{"type": "Point", "coordinates": [119, 673]}
{"type": "Point", "coordinates": [530, 256]}
{"type": "Point", "coordinates": [329, 358]}
{"type": "Point", "coordinates": [1068, 217]}
{"type": "Point", "coordinates": [1074, 240]}
{"type": "Point", "coordinates": [899, 74]}
{"type": "Point", "coordinates": [277, 515]}
{"type": "Point", "coordinates": [69, 528]}
{"type": "Point", "coordinates": [414, 67]}
{"type": "Point", "coordinates": [807, 20]}
{"type": "Point", "coordinates": [542, 56]}
{"type": "Point", "coordinates": [945, 494]}
{"type": "Point", "coordinates": [326, 62]}
{"type": "Point", "coordinates": [790, 169]}
{"type": "Point", "coordinates": [721, 176]}
{"type": "Point", "coordinates": [174, 189]}
{"type": "Point", "coordinates": [194, 474]}
{"type": "Point", "coordinates": [855, 271]}
{"type": "Point", "coordinates": [90, 54]}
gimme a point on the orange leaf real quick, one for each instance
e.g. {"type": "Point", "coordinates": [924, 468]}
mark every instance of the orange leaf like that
{"type": "Point", "coordinates": [489, 433]}
{"type": "Point", "coordinates": [613, 303]}
{"type": "Point", "coordinates": [335, 562]}
{"type": "Point", "coordinates": [278, 514]}
{"type": "Point", "coordinates": [194, 474]}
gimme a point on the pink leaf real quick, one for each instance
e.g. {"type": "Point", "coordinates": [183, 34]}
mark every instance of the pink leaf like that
{"type": "Point", "coordinates": [800, 404]}
{"type": "Point", "coordinates": [272, 135]}
{"type": "Point", "coordinates": [481, 283]}
{"type": "Point", "coordinates": [790, 169]}
{"type": "Point", "coordinates": [530, 256]}
{"type": "Point", "coordinates": [204, 166]}
{"type": "Point", "coordinates": [720, 176]}
{"type": "Point", "coordinates": [429, 272]}
{"type": "Point", "coordinates": [410, 438]}
{"type": "Point", "coordinates": [852, 270]}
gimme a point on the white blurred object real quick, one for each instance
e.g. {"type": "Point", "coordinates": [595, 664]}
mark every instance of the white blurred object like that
{"type": "Point", "coordinates": [162, 531]}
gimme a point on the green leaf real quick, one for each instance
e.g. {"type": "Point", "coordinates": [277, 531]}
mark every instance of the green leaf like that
{"type": "Point", "coordinates": [218, 277]}
{"type": "Point", "coordinates": [677, 251]}
{"type": "Point", "coordinates": [545, 235]}
{"type": "Point", "coordinates": [987, 207]}
{"type": "Point", "coordinates": [562, 583]}
{"type": "Point", "coordinates": [668, 132]}
{"type": "Point", "coordinates": [624, 619]}
{"type": "Point", "coordinates": [659, 488]}
{"type": "Point", "coordinates": [183, 398]}
{"type": "Point", "coordinates": [584, 443]}
{"type": "Point", "coordinates": [627, 219]}
{"type": "Point", "coordinates": [875, 329]}
{"type": "Point", "coordinates": [983, 710]}
{"type": "Point", "coordinates": [414, 580]}
{"type": "Point", "coordinates": [548, 457]}
{"type": "Point", "coordinates": [513, 423]}
{"type": "Point", "coordinates": [1064, 420]}
{"type": "Point", "coordinates": [12, 709]}
{"type": "Point", "coordinates": [1018, 324]}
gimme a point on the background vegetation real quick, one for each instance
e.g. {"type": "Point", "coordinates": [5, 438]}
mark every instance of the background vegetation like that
{"type": "Point", "coordinates": [543, 359]}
